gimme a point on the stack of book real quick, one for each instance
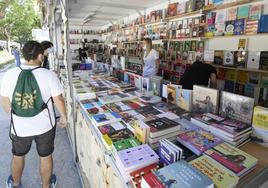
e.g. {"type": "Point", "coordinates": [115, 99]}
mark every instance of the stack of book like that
{"type": "Point", "coordinates": [126, 105]}
{"type": "Point", "coordinates": [105, 118]}
{"type": "Point", "coordinates": [231, 131]}
{"type": "Point", "coordinates": [107, 98]}
{"type": "Point", "coordinates": [135, 158]}
{"type": "Point", "coordinates": [197, 139]}
{"type": "Point", "coordinates": [147, 113]}
{"type": "Point", "coordinates": [233, 158]}
{"type": "Point", "coordinates": [169, 152]}
{"type": "Point", "coordinates": [162, 128]}
{"type": "Point", "coordinates": [178, 174]}
{"type": "Point", "coordinates": [93, 107]}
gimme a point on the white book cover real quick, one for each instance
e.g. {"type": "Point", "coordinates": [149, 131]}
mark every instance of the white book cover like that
{"type": "Point", "coordinates": [209, 55]}
{"type": "Point", "coordinates": [220, 16]}
{"type": "Point", "coordinates": [228, 58]}
{"type": "Point", "coordinates": [205, 100]}
{"type": "Point", "coordinates": [253, 60]}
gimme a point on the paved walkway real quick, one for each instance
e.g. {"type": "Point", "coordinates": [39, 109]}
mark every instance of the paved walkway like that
{"type": "Point", "coordinates": [64, 166]}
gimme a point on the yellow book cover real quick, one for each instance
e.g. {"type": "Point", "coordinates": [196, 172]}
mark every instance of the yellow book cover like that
{"type": "Point", "coordinates": [242, 77]}
{"type": "Point", "coordinates": [221, 176]}
{"type": "Point", "coordinates": [231, 75]}
{"type": "Point", "coordinates": [260, 118]}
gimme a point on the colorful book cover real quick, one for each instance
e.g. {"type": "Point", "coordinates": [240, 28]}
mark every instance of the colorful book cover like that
{"type": "Point", "coordinates": [111, 128]}
{"type": "Point", "coordinates": [221, 16]}
{"type": "Point", "coordinates": [172, 9]}
{"type": "Point", "coordinates": [231, 14]}
{"type": "Point", "coordinates": [221, 176]}
{"type": "Point", "coordinates": [219, 29]}
{"type": "Point", "coordinates": [236, 107]}
{"type": "Point", "coordinates": [252, 27]}
{"type": "Point", "coordinates": [217, 2]}
{"type": "Point", "coordinates": [260, 118]}
{"type": "Point", "coordinates": [239, 27]}
{"type": "Point", "coordinates": [181, 8]}
{"type": "Point", "coordinates": [167, 156]}
{"type": "Point", "coordinates": [198, 140]}
{"type": "Point", "coordinates": [161, 124]}
{"type": "Point", "coordinates": [182, 174]}
{"type": "Point", "coordinates": [164, 107]}
{"type": "Point", "coordinates": [229, 27]}
{"type": "Point", "coordinates": [211, 18]}
{"type": "Point", "coordinates": [125, 144]}
{"type": "Point", "coordinates": [106, 118]}
{"type": "Point", "coordinates": [205, 99]}
{"type": "Point", "coordinates": [232, 158]}
{"type": "Point", "coordinates": [117, 136]}
{"type": "Point", "coordinates": [185, 99]}
{"type": "Point", "coordinates": [141, 131]}
{"type": "Point", "coordinates": [255, 12]}
{"type": "Point", "coordinates": [253, 61]}
{"type": "Point", "coordinates": [240, 58]}
{"type": "Point", "coordinates": [150, 180]}
{"type": "Point", "coordinates": [229, 85]}
{"type": "Point", "coordinates": [172, 94]}
{"type": "Point", "coordinates": [243, 11]}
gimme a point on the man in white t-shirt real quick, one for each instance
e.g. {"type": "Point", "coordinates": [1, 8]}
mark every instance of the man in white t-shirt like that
{"type": "Point", "coordinates": [40, 128]}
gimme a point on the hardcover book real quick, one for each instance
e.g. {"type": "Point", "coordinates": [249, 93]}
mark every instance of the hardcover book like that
{"type": "Point", "coordinates": [236, 107]}
{"type": "Point", "coordinates": [229, 27]}
{"type": "Point", "coordinates": [228, 58]}
{"type": "Point", "coordinates": [243, 11]}
{"type": "Point", "coordinates": [233, 158]}
{"type": "Point", "coordinates": [117, 136]}
{"type": "Point", "coordinates": [106, 118]}
{"type": "Point", "coordinates": [162, 126]}
{"type": "Point", "coordinates": [260, 124]}
{"type": "Point", "coordinates": [150, 180]}
{"type": "Point", "coordinates": [221, 176]}
{"type": "Point", "coordinates": [231, 14]}
{"type": "Point", "coordinates": [182, 174]}
{"type": "Point", "coordinates": [141, 131]}
{"type": "Point", "coordinates": [205, 99]}
{"type": "Point", "coordinates": [172, 93]}
{"type": "Point", "coordinates": [240, 58]}
{"type": "Point", "coordinates": [125, 144]}
{"type": "Point", "coordinates": [255, 12]}
{"type": "Point", "coordinates": [185, 99]}
{"type": "Point", "coordinates": [218, 57]}
{"type": "Point", "coordinates": [111, 128]}
{"type": "Point", "coordinates": [221, 16]}
{"type": "Point", "coordinates": [239, 27]}
{"type": "Point", "coordinates": [253, 61]}
{"type": "Point", "coordinates": [198, 140]}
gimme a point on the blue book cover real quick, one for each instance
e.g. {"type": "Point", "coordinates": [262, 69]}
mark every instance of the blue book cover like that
{"type": "Point", "coordinates": [181, 174]}
{"type": "Point", "coordinates": [88, 105]}
{"type": "Point", "coordinates": [239, 27]}
{"type": "Point", "coordinates": [229, 85]}
{"type": "Point", "coordinates": [165, 154]}
{"type": "Point", "coordinates": [249, 90]}
{"type": "Point", "coordinates": [217, 2]}
{"type": "Point", "coordinates": [263, 24]}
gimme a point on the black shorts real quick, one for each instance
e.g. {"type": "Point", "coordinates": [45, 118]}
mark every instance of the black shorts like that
{"type": "Point", "coordinates": [44, 143]}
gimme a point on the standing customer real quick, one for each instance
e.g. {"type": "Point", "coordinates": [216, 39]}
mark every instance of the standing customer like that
{"type": "Point", "coordinates": [22, 89]}
{"type": "Point", "coordinates": [16, 53]}
{"type": "Point", "coordinates": [151, 59]}
{"type": "Point", "coordinates": [48, 48]}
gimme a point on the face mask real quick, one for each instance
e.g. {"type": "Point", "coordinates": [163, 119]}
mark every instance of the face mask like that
{"type": "Point", "coordinates": [50, 50]}
{"type": "Point", "coordinates": [144, 47]}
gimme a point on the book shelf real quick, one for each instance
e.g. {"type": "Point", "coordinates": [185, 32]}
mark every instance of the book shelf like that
{"type": "Point", "coordinates": [240, 69]}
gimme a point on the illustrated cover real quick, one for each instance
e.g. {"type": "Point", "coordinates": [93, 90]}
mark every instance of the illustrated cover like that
{"type": "Point", "coordinates": [260, 124]}
{"type": "Point", "coordinates": [217, 2]}
{"type": "Point", "coordinates": [231, 14]}
{"type": "Point", "coordinates": [205, 99]}
{"type": "Point", "coordinates": [172, 93]}
{"type": "Point", "coordinates": [155, 83]}
{"type": "Point", "coordinates": [185, 99]}
{"type": "Point", "coordinates": [218, 57]}
{"type": "Point", "coordinates": [127, 116]}
{"type": "Point", "coordinates": [221, 16]}
{"type": "Point", "coordinates": [232, 158]}
{"type": "Point", "coordinates": [106, 118]}
{"type": "Point", "coordinates": [137, 176]}
{"type": "Point", "coordinates": [134, 103]}
{"type": "Point", "coordinates": [199, 4]}
{"type": "Point", "coordinates": [117, 136]}
{"type": "Point", "coordinates": [198, 140]}
{"type": "Point", "coordinates": [125, 144]}
{"type": "Point", "coordinates": [221, 176]}
{"type": "Point", "coordinates": [181, 8]}
{"type": "Point", "coordinates": [150, 180]}
{"type": "Point", "coordinates": [141, 130]}
{"type": "Point", "coordinates": [240, 58]}
{"type": "Point", "coordinates": [134, 158]}
{"type": "Point", "coordinates": [182, 174]}
{"type": "Point", "coordinates": [211, 16]}
{"type": "Point", "coordinates": [165, 107]}
{"type": "Point", "coordinates": [239, 89]}
{"type": "Point", "coordinates": [167, 156]}
{"type": "Point", "coordinates": [206, 119]}
{"type": "Point", "coordinates": [253, 61]}
{"type": "Point", "coordinates": [239, 27]}
{"type": "Point", "coordinates": [172, 9]}
{"type": "Point", "coordinates": [111, 128]}
{"type": "Point", "coordinates": [118, 107]}
{"type": "Point", "coordinates": [243, 11]}
{"type": "Point", "coordinates": [190, 5]}
{"type": "Point", "coordinates": [228, 58]}
{"type": "Point", "coordinates": [161, 124]}
{"type": "Point", "coordinates": [236, 107]}
{"type": "Point", "coordinates": [255, 12]}
{"type": "Point", "coordinates": [219, 29]}
{"type": "Point", "coordinates": [145, 84]}
{"type": "Point", "coordinates": [229, 27]}
{"type": "Point", "coordinates": [252, 27]}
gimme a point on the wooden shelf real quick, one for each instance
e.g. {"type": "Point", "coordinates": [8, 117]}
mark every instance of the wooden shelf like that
{"type": "Point", "coordinates": [231, 36]}
{"type": "Point", "coordinates": [241, 69]}
{"type": "Point", "coordinates": [186, 39]}
{"type": "Point", "coordinates": [183, 15]}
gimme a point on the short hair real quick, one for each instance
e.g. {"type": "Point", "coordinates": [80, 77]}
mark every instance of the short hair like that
{"type": "Point", "coordinates": [31, 50]}
{"type": "Point", "coordinates": [46, 44]}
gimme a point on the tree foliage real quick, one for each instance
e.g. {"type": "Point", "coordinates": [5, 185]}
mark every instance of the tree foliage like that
{"type": "Point", "coordinates": [18, 21]}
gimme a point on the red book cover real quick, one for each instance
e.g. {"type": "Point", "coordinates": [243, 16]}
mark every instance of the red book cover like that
{"type": "Point", "coordinates": [137, 175]}
{"type": "Point", "coordinates": [152, 181]}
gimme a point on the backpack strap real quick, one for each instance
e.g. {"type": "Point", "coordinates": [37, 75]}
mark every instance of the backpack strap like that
{"type": "Point", "coordinates": [30, 69]}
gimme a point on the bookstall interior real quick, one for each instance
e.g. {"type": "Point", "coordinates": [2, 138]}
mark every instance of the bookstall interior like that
{"type": "Point", "coordinates": [127, 130]}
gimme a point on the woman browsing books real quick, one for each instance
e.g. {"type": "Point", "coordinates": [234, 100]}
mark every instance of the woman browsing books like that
{"type": "Point", "coordinates": [150, 59]}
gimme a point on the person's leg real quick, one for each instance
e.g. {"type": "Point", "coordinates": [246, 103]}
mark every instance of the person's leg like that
{"type": "Point", "coordinates": [45, 148]}
{"type": "Point", "coordinates": [46, 166]}
{"type": "Point", "coordinates": [17, 167]}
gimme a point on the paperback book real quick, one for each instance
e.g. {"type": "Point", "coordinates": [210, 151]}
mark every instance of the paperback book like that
{"type": "Point", "coordinates": [185, 99]}
{"type": "Point", "coordinates": [106, 118]}
{"type": "Point", "coordinates": [233, 158]}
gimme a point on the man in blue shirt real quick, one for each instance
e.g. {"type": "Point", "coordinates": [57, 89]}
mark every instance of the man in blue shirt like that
{"type": "Point", "coordinates": [16, 54]}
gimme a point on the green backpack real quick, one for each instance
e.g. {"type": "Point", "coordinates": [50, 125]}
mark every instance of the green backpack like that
{"type": "Point", "coordinates": [27, 100]}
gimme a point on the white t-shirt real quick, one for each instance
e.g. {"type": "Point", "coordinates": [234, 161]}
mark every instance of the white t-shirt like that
{"type": "Point", "coordinates": [150, 68]}
{"type": "Point", "coordinates": [49, 85]}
